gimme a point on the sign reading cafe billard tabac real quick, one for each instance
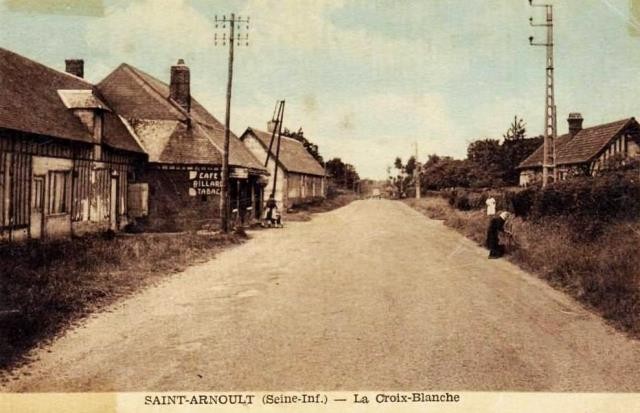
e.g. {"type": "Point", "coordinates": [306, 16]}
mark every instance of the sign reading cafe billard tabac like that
{"type": "Point", "coordinates": [205, 182]}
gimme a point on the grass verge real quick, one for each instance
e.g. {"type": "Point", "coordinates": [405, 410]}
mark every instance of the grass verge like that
{"type": "Point", "coordinates": [304, 212]}
{"type": "Point", "coordinates": [46, 287]}
{"type": "Point", "coordinates": [601, 272]}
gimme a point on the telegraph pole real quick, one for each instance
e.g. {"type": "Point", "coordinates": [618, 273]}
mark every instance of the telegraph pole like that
{"type": "Point", "coordinates": [416, 173]}
{"type": "Point", "coordinates": [550, 131]}
{"type": "Point", "coordinates": [234, 23]}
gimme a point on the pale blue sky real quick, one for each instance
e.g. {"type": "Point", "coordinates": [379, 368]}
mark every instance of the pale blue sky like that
{"type": "Point", "coordinates": [365, 79]}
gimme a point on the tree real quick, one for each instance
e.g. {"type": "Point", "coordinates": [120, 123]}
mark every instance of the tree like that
{"type": "Point", "coordinates": [398, 164]}
{"type": "Point", "coordinates": [344, 175]}
{"type": "Point", "coordinates": [487, 161]}
{"type": "Point", "coordinates": [517, 130]}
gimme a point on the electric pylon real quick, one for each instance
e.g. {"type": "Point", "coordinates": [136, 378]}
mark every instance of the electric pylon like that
{"type": "Point", "coordinates": [550, 132]}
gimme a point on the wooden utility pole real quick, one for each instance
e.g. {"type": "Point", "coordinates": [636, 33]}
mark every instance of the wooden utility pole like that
{"type": "Point", "coordinates": [550, 124]}
{"type": "Point", "coordinates": [232, 21]}
{"type": "Point", "coordinates": [278, 130]}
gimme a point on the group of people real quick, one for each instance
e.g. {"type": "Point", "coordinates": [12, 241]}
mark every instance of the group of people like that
{"type": "Point", "coordinates": [272, 217]}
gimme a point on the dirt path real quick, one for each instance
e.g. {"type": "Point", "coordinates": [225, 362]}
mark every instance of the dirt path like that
{"type": "Point", "coordinates": [370, 296]}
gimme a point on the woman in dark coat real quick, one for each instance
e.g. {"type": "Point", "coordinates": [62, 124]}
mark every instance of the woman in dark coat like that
{"type": "Point", "coordinates": [496, 226]}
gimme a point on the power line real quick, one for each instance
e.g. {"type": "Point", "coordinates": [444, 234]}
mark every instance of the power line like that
{"type": "Point", "coordinates": [234, 23]}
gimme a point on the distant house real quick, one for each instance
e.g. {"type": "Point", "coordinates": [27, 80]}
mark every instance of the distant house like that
{"type": "Point", "coordinates": [184, 143]}
{"type": "Point", "coordinates": [300, 177]}
{"type": "Point", "coordinates": [586, 151]}
{"type": "Point", "coordinates": [66, 158]}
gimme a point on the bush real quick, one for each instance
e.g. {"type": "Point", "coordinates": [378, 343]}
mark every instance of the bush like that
{"type": "Point", "coordinates": [582, 201]}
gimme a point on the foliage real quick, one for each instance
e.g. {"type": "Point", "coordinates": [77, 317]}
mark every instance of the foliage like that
{"type": "Point", "coordinates": [517, 130]}
{"type": "Point", "coordinates": [343, 175]}
{"type": "Point", "coordinates": [603, 197]}
{"type": "Point", "coordinates": [490, 163]}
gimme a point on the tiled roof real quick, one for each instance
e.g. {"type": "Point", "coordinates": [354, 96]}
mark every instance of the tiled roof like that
{"type": "Point", "coordinates": [117, 135]}
{"type": "Point", "coordinates": [29, 100]}
{"type": "Point", "coordinates": [162, 126]}
{"type": "Point", "coordinates": [37, 99]}
{"type": "Point", "coordinates": [583, 147]}
{"type": "Point", "coordinates": [294, 157]}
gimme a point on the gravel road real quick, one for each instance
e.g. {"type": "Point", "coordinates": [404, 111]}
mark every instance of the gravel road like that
{"type": "Point", "coordinates": [369, 296]}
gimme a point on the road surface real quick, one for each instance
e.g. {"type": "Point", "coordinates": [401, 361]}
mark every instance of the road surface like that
{"type": "Point", "coordinates": [370, 296]}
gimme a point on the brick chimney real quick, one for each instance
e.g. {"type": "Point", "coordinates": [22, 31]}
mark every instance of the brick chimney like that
{"type": "Point", "coordinates": [75, 67]}
{"type": "Point", "coordinates": [575, 123]}
{"type": "Point", "coordinates": [180, 89]}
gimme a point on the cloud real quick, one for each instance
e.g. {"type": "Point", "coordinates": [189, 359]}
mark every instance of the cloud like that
{"type": "Point", "coordinates": [147, 31]}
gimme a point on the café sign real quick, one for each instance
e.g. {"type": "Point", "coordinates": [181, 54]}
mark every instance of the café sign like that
{"type": "Point", "coordinates": [205, 183]}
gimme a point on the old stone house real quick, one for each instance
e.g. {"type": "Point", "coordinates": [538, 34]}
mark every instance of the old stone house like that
{"type": "Point", "coordinates": [300, 177]}
{"type": "Point", "coordinates": [65, 157]}
{"type": "Point", "coordinates": [585, 151]}
{"type": "Point", "coordinates": [184, 144]}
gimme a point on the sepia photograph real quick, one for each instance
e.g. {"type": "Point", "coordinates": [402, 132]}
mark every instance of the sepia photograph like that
{"type": "Point", "coordinates": [319, 202]}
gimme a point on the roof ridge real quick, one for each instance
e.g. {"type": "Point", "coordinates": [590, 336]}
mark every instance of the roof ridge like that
{"type": "Point", "coordinates": [48, 68]}
{"type": "Point", "coordinates": [137, 74]}
{"type": "Point", "coordinates": [604, 125]}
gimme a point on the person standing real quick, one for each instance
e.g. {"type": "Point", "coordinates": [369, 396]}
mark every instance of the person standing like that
{"type": "Point", "coordinates": [491, 206]}
{"type": "Point", "coordinates": [496, 226]}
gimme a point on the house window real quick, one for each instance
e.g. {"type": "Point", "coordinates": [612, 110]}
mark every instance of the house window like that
{"type": "Point", "coordinates": [58, 190]}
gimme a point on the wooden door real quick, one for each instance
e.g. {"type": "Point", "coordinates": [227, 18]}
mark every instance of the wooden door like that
{"type": "Point", "coordinates": [113, 204]}
{"type": "Point", "coordinates": [37, 208]}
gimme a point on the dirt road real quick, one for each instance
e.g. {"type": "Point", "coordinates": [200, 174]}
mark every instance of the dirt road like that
{"type": "Point", "coordinates": [370, 296]}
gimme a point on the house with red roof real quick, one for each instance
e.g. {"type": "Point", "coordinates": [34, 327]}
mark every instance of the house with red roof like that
{"type": "Point", "coordinates": [66, 158]}
{"type": "Point", "coordinates": [300, 178]}
{"type": "Point", "coordinates": [184, 144]}
{"type": "Point", "coordinates": [585, 151]}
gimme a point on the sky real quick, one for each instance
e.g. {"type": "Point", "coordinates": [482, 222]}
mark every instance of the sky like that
{"type": "Point", "coordinates": [365, 79]}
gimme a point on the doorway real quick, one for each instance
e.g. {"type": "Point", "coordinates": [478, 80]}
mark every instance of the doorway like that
{"type": "Point", "coordinates": [37, 207]}
{"type": "Point", "coordinates": [113, 204]}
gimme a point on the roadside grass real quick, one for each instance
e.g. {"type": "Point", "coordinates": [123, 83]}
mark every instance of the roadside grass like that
{"type": "Point", "coordinates": [600, 272]}
{"type": "Point", "coordinates": [47, 287]}
{"type": "Point", "coordinates": [304, 212]}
